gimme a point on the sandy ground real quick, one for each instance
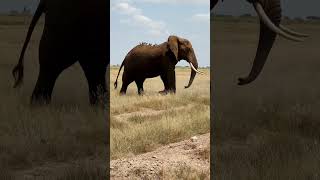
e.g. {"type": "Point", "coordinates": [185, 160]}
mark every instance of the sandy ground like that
{"type": "Point", "coordinates": [155, 164]}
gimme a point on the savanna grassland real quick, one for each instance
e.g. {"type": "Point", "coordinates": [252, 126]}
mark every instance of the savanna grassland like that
{"type": "Point", "coordinates": [141, 124]}
{"type": "Point", "coordinates": [269, 129]}
{"type": "Point", "coordinates": [64, 140]}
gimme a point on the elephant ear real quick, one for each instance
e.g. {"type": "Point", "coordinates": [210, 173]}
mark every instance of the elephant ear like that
{"type": "Point", "coordinates": [173, 45]}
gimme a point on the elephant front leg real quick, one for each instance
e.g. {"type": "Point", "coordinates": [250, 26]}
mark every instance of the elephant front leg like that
{"type": "Point", "coordinates": [165, 83]}
{"type": "Point", "coordinates": [169, 81]}
{"type": "Point", "coordinates": [172, 81]}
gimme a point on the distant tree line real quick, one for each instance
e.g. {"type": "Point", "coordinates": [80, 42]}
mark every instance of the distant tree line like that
{"type": "Point", "coordinates": [24, 11]}
{"type": "Point", "coordinates": [248, 15]}
{"type": "Point", "coordinates": [313, 17]}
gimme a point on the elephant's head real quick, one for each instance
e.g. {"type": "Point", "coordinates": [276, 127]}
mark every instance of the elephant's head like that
{"type": "Point", "coordinates": [182, 49]}
{"type": "Point", "coordinates": [269, 12]}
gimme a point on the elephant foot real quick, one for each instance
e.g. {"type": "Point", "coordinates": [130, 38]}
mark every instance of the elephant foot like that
{"type": "Point", "coordinates": [37, 101]}
{"type": "Point", "coordinates": [164, 92]}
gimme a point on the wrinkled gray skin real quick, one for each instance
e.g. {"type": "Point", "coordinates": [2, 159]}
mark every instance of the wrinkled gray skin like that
{"type": "Point", "coordinates": [266, 39]}
{"type": "Point", "coordinates": [74, 31]}
{"type": "Point", "coordinates": [148, 61]}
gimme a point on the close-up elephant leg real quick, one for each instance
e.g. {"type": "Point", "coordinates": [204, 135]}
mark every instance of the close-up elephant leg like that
{"type": "Point", "coordinates": [49, 72]}
{"type": "Point", "coordinates": [95, 74]}
{"type": "Point", "coordinates": [165, 83]}
{"type": "Point", "coordinates": [44, 86]}
{"type": "Point", "coordinates": [171, 81]}
{"type": "Point", "coordinates": [213, 4]}
{"type": "Point", "coordinates": [140, 86]}
{"type": "Point", "coordinates": [125, 84]}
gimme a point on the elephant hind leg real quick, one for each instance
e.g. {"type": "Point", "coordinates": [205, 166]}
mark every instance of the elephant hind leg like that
{"type": "Point", "coordinates": [125, 83]}
{"type": "Point", "coordinates": [44, 86]}
{"type": "Point", "coordinates": [51, 65]}
{"type": "Point", "coordinates": [53, 59]}
{"type": "Point", "coordinates": [95, 72]}
{"type": "Point", "coordinates": [140, 86]}
{"type": "Point", "coordinates": [124, 87]}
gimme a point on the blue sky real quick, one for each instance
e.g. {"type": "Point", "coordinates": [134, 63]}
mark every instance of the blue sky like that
{"type": "Point", "coordinates": [152, 21]}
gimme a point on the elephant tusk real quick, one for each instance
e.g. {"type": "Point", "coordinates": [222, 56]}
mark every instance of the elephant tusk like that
{"type": "Point", "coordinates": [265, 19]}
{"type": "Point", "coordinates": [289, 31]}
{"type": "Point", "coordinates": [191, 65]}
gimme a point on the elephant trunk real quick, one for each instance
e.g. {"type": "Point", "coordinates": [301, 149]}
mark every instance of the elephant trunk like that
{"type": "Point", "coordinates": [194, 66]}
{"type": "Point", "coordinates": [267, 37]}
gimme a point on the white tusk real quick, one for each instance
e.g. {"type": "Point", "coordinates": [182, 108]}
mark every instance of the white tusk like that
{"type": "Point", "coordinates": [195, 68]}
{"type": "Point", "coordinates": [265, 19]}
{"type": "Point", "coordinates": [289, 31]}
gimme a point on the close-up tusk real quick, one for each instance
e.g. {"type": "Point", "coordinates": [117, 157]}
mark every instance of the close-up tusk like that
{"type": "Point", "coordinates": [195, 68]}
{"type": "Point", "coordinates": [289, 31]}
{"type": "Point", "coordinates": [265, 19]}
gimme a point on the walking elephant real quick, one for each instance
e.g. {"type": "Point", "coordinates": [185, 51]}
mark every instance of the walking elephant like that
{"type": "Point", "coordinates": [269, 12]}
{"type": "Point", "coordinates": [74, 31]}
{"type": "Point", "coordinates": [148, 61]}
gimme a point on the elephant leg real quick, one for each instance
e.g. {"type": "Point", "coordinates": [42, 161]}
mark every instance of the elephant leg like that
{"type": "Point", "coordinates": [171, 76]}
{"type": "Point", "coordinates": [165, 83]}
{"type": "Point", "coordinates": [213, 4]}
{"type": "Point", "coordinates": [44, 86]}
{"type": "Point", "coordinates": [125, 83]}
{"type": "Point", "coordinates": [140, 86]}
{"type": "Point", "coordinates": [95, 72]}
{"type": "Point", "coordinates": [51, 65]}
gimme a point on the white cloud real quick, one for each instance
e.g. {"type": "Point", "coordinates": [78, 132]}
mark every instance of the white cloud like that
{"type": "Point", "coordinates": [201, 18]}
{"type": "Point", "coordinates": [125, 8]}
{"type": "Point", "coordinates": [137, 18]}
{"type": "Point", "coordinates": [204, 2]}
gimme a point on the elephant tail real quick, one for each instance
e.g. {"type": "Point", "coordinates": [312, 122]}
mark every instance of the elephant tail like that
{"type": "Point", "coordinates": [17, 71]}
{"type": "Point", "coordinates": [116, 83]}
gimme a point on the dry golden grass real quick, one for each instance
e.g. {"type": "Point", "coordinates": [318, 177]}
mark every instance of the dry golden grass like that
{"type": "Point", "coordinates": [186, 173]}
{"type": "Point", "coordinates": [142, 123]}
{"type": "Point", "coordinates": [270, 128]}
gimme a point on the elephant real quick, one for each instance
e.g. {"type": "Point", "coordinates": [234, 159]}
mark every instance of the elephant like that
{"type": "Point", "coordinates": [269, 12]}
{"type": "Point", "coordinates": [149, 61]}
{"type": "Point", "coordinates": [74, 31]}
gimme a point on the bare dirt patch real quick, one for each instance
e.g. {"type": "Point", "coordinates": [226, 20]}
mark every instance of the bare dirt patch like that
{"type": "Point", "coordinates": [147, 112]}
{"type": "Point", "coordinates": [186, 159]}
